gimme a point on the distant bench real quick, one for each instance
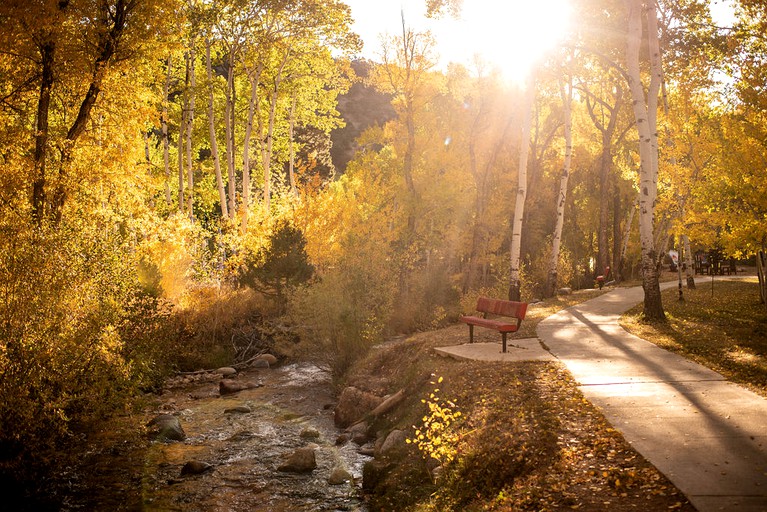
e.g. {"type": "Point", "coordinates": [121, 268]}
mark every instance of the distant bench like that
{"type": "Point", "coordinates": [498, 307]}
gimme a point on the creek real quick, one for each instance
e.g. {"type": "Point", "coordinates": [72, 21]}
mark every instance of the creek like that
{"type": "Point", "coordinates": [242, 439]}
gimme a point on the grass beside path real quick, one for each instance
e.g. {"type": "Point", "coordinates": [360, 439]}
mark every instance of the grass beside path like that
{"type": "Point", "coordinates": [725, 331]}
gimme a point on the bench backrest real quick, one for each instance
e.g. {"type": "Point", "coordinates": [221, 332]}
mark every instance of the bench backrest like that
{"type": "Point", "coordinates": [502, 307]}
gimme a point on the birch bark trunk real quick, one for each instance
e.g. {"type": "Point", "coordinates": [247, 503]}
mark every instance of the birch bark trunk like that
{"type": "Point", "coordinates": [515, 286]}
{"type": "Point", "coordinates": [292, 160]}
{"type": "Point", "coordinates": [229, 133]}
{"type": "Point", "coordinates": [189, 134]}
{"type": "Point", "coordinates": [252, 107]}
{"type": "Point", "coordinates": [212, 133]}
{"type": "Point", "coordinates": [164, 126]}
{"type": "Point", "coordinates": [566, 93]}
{"type": "Point", "coordinates": [645, 112]}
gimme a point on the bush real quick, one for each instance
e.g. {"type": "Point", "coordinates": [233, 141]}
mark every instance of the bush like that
{"type": "Point", "coordinates": [435, 438]}
{"type": "Point", "coordinates": [341, 315]}
{"type": "Point", "coordinates": [428, 301]}
{"type": "Point", "coordinates": [281, 265]}
{"type": "Point", "coordinates": [67, 298]}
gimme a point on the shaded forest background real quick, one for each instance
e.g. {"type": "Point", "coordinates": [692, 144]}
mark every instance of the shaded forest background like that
{"type": "Point", "coordinates": [187, 183]}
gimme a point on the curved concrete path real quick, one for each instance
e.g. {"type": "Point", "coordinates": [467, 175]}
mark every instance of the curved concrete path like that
{"type": "Point", "coordinates": [707, 435]}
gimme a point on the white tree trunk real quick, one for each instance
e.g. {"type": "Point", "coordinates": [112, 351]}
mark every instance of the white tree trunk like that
{"type": "Point", "coordinates": [252, 109]}
{"type": "Point", "coordinates": [164, 126]}
{"type": "Point", "coordinates": [566, 92]}
{"type": "Point", "coordinates": [648, 149]}
{"type": "Point", "coordinates": [229, 133]}
{"type": "Point", "coordinates": [291, 163]}
{"type": "Point", "coordinates": [189, 134]}
{"type": "Point", "coordinates": [519, 205]}
{"type": "Point", "coordinates": [212, 134]}
{"type": "Point", "coordinates": [180, 144]}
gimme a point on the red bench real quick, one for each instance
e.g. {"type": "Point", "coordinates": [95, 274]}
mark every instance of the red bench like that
{"type": "Point", "coordinates": [507, 308]}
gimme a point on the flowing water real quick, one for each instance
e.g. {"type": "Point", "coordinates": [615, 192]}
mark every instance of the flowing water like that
{"type": "Point", "coordinates": [245, 449]}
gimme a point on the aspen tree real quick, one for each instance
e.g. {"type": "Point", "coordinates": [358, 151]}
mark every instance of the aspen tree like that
{"type": "Point", "coordinates": [645, 113]}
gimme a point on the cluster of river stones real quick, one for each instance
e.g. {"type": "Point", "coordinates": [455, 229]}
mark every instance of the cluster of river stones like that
{"type": "Point", "coordinates": [353, 415]}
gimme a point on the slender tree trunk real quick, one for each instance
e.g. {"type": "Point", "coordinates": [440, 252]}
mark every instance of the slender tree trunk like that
{"type": "Point", "coordinates": [180, 145]}
{"type": "Point", "coordinates": [478, 252]}
{"type": "Point", "coordinates": [648, 149]}
{"type": "Point", "coordinates": [229, 132]}
{"type": "Point", "coordinates": [480, 183]}
{"type": "Point", "coordinates": [181, 136]}
{"type": "Point", "coordinates": [47, 54]}
{"type": "Point", "coordinates": [566, 92]}
{"type": "Point", "coordinates": [107, 47]}
{"type": "Point", "coordinates": [291, 134]}
{"type": "Point", "coordinates": [606, 178]}
{"type": "Point", "coordinates": [189, 133]}
{"type": "Point", "coordinates": [164, 124]}
{"type": "Point", "coordinates": [252, 109]}
{"type": "Point", "coordinates": [212, 134]}
{"type": "Point", "coordinates": [515, 286]}
{"type": "Point", "coordinates": [679, 267]}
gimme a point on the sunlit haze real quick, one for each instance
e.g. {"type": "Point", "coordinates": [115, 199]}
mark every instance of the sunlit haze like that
{"type": "Point", "coordinates": [508, 35]}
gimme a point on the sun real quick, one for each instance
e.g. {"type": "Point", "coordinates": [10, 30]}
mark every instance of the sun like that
{"type": "Point", "coordinates": [510, 35]}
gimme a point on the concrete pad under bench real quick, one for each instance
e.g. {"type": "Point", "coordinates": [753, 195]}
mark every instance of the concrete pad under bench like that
{"type": "Point", "coordinates": [527, 349]}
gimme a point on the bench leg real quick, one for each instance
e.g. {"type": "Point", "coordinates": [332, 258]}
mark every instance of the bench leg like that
{"type": "Point", "coordinates": [503, 336]}
{"type": "Point", "coordinates": [471, 333]}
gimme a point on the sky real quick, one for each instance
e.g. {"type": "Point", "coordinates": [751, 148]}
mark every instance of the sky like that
{"type": "Point", "coordinates": [509, 34]}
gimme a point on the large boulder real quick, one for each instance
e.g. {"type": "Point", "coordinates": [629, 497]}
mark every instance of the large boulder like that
{"type": "Point", "coordinates": [339, 476]}
{"type": "Point", "coordinates": [269, 358]}
{"type": "Point", "coordinates": [302, 460]}
{"type": "Point", "coordinates": [360, 433]}
{"type": "Point", "coordinates": [353, 405]}
{"type": "Point", "coordinates": [229, 386]}
{"type": "Point", "coordinates": [260, 364]}
{"type": "Point", "coordinates": [166, 427]}
{"type": "Point", "coordinates": [395, 444]}
{"type": "Point", "coordinates": [195, 467]}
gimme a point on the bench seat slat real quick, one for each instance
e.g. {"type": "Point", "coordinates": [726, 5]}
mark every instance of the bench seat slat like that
{"type": "Point", "coordinates": [498, 325]}
{"type": "Point", "coordinates": [502, 307]}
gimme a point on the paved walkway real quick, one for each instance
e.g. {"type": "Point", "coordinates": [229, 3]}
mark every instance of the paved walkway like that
{"type": "Point", "coordinates": [707, 435]}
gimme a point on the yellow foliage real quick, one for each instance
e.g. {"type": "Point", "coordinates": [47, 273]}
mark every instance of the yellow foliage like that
{"type": "Point", "coordinates": [168, 257]}
{"type": "Point", "coordinates": [437, 438]}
